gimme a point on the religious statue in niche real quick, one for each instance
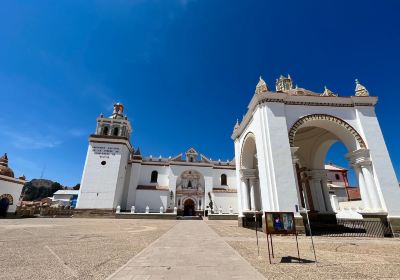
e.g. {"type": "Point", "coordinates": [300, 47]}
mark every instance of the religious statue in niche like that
{"type": "Point", "coordinates": [190, 180]}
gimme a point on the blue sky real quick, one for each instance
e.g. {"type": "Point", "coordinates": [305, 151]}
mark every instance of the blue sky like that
{"type": "Point", "coordinates": [185, 70]}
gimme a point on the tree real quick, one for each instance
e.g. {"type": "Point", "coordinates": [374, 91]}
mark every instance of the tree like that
{"type": "Point", "coordinates": [77, 187]}
{"type": "Point", "coordinates": [55, 187]}
{"type": "Point", "coordinates": [29, 191]}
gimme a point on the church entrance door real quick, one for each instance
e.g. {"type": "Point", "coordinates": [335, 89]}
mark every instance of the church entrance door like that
{"type": "Point", "coordinates": [4, 203]}
{"type": "Point", "coordinates": [189, 208]}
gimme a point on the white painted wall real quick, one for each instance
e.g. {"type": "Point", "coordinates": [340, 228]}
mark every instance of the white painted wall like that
{"type": "Point", "coordinates": [102, 185]}
{"type": "Point", "coordinates": [384, 174]}
{"type": "Point", "coordinates": [225, 201]}
{"type": "Point", "coordinates": [13, 188]}
{"type": "Point", "coordinates": [152, 198]}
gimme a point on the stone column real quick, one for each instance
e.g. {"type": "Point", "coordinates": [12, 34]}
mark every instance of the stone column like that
{"type": "Point", "coordinates": [317, 196]}
{"type": "Point", "coordinates": [372, 189]}
{"type": "Point", "coordinates": [252, 194]}
{"type": "Point", "coordinates": [245, 195]}
{"type": "Point", "coordinates": [295, 160]}
{"type": "Point", "coordinates": [365, 197]}
{"type": "Point", "coordinates": [360, 160]}
{"type": "Point", "coordinates": [325, 191]}
{"type": "Point", "coordinates": [257, 194]}
{"type": "Point", "coordinates": [317, 192]}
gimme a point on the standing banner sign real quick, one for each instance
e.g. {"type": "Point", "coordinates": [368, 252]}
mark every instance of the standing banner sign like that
{"type": "Point", "coordinates": [282, 223]}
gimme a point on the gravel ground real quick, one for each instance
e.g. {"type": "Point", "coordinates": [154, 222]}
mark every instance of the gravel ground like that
{"type": "Point", "coordinates": [338, 257]}
{"type": "Point", "coordinates": [64, 248]}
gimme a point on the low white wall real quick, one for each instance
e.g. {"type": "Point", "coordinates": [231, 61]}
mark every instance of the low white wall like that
{"type": "Point", "coordinates": [152, 198]}
{"type": "Point", "coordinates": [225, 201]}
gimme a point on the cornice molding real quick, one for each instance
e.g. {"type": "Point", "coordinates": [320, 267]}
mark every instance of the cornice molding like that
{"type": "Point", "coordinates": [305, 100]}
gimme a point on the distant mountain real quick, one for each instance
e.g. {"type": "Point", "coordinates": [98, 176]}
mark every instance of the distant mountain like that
{"type": "Point", "coordinates": [36, 189]}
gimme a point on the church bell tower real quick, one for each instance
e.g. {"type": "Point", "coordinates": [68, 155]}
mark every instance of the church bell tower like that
{"type": "Point", "coordinates": [103, 177]}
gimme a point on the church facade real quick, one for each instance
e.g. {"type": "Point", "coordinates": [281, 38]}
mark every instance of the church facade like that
{"type": "Point", "coordinates": [116, 174]}
{"type": "Point", "coordinates": [280, 155]}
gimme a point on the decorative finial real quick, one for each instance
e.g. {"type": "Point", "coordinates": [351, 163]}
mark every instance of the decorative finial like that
{"type": "Point", "coordinates": [328, 92]}
{"type": "Point", "coordinates": [360, 89]}
{"type": "Point", "coordinates": [237, 124]}
{"type": "Point", "coordinates": [284, 84]}
{"type": "Point", "coordinates": [261, 86]}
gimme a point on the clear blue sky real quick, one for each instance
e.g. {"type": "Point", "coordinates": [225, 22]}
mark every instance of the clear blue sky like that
{"type": "Point", "coordinates": [185, 70]}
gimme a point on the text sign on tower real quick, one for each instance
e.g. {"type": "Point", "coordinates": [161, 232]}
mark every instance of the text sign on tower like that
{"type": "Point", "coordinates": [280, 223]}
{"type": "Point", "coordinates": [105, 151]}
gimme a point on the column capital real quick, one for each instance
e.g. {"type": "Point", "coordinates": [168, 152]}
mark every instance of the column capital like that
{"type": "Point", "coordinates": [359, 158]}
{"type": "Point", "coordinates": [317, 174]}
{"type": "Point", "coordinates": [293, 151]}
{"type": "Point", "coordinates": [254, 180]}
{"type": "Point", "coordinates": [248, 173]}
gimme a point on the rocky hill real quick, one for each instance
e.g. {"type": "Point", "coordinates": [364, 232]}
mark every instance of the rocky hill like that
{"type": "Point", "coordinates": [36, 189]}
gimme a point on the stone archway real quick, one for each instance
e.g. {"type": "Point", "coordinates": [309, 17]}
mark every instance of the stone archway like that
{"type": "Point", "coordinates": [250, 187]}
{"type": "Point", "coordinates": [348, 135]}
{"type": "Point", "coordinates": [189, 207]}
{"type": "Point", "coordinates": [311, 137]}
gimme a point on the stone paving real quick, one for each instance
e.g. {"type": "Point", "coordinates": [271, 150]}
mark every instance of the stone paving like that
{"type": "Point", "coordinates": [338, 257]}
{"type": "Point", "coordinates": [190, 250]}
{"type": "Point", "coordinates": [65, 248]}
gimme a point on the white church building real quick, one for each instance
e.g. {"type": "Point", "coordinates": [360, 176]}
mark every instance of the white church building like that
{"type": "Point", "coordinates": [115, 174]}
{"type": "Point", "coordinates": [280, 155]}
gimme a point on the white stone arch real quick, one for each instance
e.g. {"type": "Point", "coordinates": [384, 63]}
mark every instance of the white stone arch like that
{"type": "Point", "coordinates": [313, 136]}
{"type": "Point", "coordinates": [250, 183]}
{"type": "Point", "coordinates": [248, 150]}
{"type": "Point", "coordinates": [344, 131]}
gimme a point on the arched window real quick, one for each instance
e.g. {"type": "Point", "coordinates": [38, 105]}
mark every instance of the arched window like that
{"type": "Point", "coordinates": [115, 131]}
{"type": "Point", "coordinates": [154, 176]}
{"type": "Point", "coordinates": [105, 130]}
{"type": "Point", "coordinates": [223, 180]}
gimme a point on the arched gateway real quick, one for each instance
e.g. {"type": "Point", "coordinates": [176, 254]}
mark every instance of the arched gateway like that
{"type": "Point", "coordinates": [281, 146]}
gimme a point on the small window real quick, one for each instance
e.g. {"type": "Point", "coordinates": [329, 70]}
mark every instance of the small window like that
{"type": "Point", "coordinates": [337, 176]}
{"type": "Point", "coordinates": [103, 162]}
{"type": "Point", "coordinates": [223, 180]}
{"type": "Point", "coordinates": [115, 131]}
{"type": "Point", "coordinates": [105, 130]}
{"type": "Point", "coordinates": [154, 177]}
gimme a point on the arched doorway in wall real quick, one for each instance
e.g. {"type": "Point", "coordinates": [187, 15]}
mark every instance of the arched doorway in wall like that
{"type": "Point", "coordinates": [311, 137]}
{"type": "Point", "coordinates": [189, 207]}
{"type": "Point", "coordinates": [250, 186]}
{"type": "Point", "coordinates": [190, 186]}
{"type": "Point", "coordinates": [4, 204]}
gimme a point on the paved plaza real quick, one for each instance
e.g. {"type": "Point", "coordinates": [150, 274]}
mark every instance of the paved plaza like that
{"type": "Point", "coordinates": [63, 248]}
{"type": "Point", "coordinates": [190, 250]}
